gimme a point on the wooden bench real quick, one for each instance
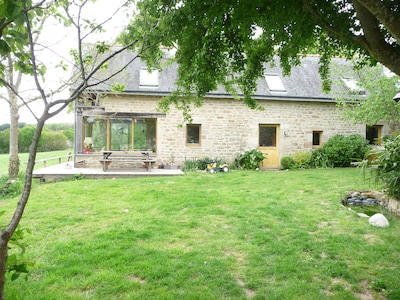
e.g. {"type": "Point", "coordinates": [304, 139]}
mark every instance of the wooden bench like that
{"type": "Point", "coordinates": [148, 158]}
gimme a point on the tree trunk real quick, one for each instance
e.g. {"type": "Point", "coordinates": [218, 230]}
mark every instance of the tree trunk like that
{"type": "Point", "coordinates": [13, 165]}
{"type": "Point", "coordinates": [6, 234]}
{"type": "Point", "coordinates": [3, 263]}
{"type": "Point", "coordinates": [12, 89]}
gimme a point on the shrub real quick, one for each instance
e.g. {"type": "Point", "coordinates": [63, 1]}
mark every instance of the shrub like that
{"type": "Point", "coordinates": [359, 145]}
{"type": "Point", "coordinates": [249, 160]}
{"type": "Point", "coordinates": [17, 263]}
{"type": "Point", "coordinates": [320, 160]}
{"type": "Point", "coordinates": [8, 188]}
{"type": "Point", "coordinates": [4, 141]}
{"type": "Point", "coordinates": [193, 165]}
{"type": "Point", "coordinates": [287, 162]}
{"type": "Point", "coordinates": [388, 170]}
{"type": "Point", "coordinates": [340, 150]}
{"type": "Point", "coordinates": [302, 159]}
{"type": "Point", "coordinates": [199, 164]}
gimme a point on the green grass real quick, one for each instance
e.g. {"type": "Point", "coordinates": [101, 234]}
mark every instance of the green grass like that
{"type": "Point", "coordinates": [23, 157]}
{"type": "Point", "coordinates": [236, 235]}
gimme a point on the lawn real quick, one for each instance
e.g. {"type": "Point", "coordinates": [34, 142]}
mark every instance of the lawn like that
{"type": "Point", "coordinates": [235, 235]}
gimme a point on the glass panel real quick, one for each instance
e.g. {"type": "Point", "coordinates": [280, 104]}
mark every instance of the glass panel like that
{"type": "Point", "coordinates": [145, 135]}
{"type": "Point", "coordinates": [99, 135]}
{"type": "Point", "coordinates": [193, 134]}
{"type": "Point", "coordinates": [267, 136]}
{"type": "Point", "coordinates": [121, 134]}
{"type": "Point", "coordinates": [87, 146]}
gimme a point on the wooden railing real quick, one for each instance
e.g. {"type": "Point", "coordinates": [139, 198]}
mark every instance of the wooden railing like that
{"type": "Point", "coordinates": [59, 158]}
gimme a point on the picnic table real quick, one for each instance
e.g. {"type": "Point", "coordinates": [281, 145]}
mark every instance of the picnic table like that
{"type": "Point", "coordinates": [147, 158]}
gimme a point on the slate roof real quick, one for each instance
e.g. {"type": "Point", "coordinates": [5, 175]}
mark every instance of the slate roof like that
{"type": "Point", "coordinates": [304, 82]}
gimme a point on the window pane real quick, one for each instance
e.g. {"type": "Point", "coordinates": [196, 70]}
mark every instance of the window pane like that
{"type": "Point", "coordinates": [87, 145]}
{"type": "Point", "coordinates": [267, 136]}
{"type": "Point", "coordinates": [99, 135]}
{"type": "Point", "coordinates": [145, 135]}
{"type": "Point", "coordinates": [316, 141]}
{"type": "Point", "coordinates": [193, 134]}
{"type": "Point", "coordinates": [121, 134]}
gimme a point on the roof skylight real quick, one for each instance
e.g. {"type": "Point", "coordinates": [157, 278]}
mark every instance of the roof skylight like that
{"type": "Point", "coordinates": [148, 78]}
{"type": "Point", "coordinates": [275, 83]}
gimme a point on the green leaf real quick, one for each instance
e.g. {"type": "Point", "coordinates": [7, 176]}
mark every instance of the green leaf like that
{"type": "Point", "coordinates": [15, 276]}
{"type": "Point", "coordinates": [4, 48]}
{"type": "Point", "coordinates": [116, 87]}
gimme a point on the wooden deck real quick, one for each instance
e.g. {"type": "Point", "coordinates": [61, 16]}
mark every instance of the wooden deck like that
{"type": "Point", "coordinates": [64, 171]}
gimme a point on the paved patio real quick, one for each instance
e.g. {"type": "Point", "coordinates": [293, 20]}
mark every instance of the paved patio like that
{"type": "Point", "coordinates": [62, 171]}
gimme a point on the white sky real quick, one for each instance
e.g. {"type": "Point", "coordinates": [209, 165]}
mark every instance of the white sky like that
{"type": "Point", "coordinates": [62, 40]}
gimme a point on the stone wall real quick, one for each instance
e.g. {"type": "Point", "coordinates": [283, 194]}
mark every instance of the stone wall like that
{"type": "Point", "coordinates": [228, 127]}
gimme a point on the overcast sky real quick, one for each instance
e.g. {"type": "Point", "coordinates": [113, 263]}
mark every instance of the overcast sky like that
{"type": "Point", "coordinates": [63, 40]}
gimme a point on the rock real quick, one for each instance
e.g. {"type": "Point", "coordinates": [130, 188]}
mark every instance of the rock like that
{"type": "Point", "coordinates": [378, 220]}
{"type": "Point", "coordinates": [350, 200]}
{"type": "Point", "coordinates": [370, 202]}
{"type": "Point", "coordinates": [353, 194]}
{"type": "Point", "coordinates": [368, 194]}
{"type": "Point", "coordinates": [362, 215]}
{"type": "Point", "coordinates": [376, 195]}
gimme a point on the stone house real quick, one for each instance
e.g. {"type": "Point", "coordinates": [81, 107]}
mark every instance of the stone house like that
{"type": "Point", "coordinates": [297, 116]}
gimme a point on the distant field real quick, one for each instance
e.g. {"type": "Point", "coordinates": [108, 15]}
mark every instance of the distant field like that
{"type": "Point", "coordinates": [24, 158]}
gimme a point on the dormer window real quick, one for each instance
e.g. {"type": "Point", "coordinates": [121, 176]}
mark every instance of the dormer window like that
{"type": "Point", "coordinates": [353, 87]}
{"type": "Point", "coordinates": [148, 78]}
{"type": "Point", "coordinates": [274, 83]}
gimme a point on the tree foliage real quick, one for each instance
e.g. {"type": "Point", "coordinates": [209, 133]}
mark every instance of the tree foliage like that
{"type": "Point", "coordinates": [4, 141]}
{"type": "Point", "coordinates": [54, 137]}
{"type": "Point", "coordinates": [228, 42]}
{"type": "Point", "coordinates": [84, 77]}
{"type": "Point", "coordinates": [376, 102]}
{"type": "Point", "coordinates": [14, 34]}
{"type": "Point", "coordinates": [6, 126]}
{"type": "Point", "coordinates": [25, 138]}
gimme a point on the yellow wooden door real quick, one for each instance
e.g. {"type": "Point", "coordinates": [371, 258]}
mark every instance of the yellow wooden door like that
{"type": "Point", "coordinates": [269, 145]}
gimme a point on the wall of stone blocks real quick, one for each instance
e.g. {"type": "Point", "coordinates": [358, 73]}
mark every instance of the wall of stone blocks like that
{"type": "Point", "coordinates": [228, 127]}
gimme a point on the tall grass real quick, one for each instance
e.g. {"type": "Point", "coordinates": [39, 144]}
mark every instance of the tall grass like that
{"type": "Point", "coordinates": [235, 235]}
